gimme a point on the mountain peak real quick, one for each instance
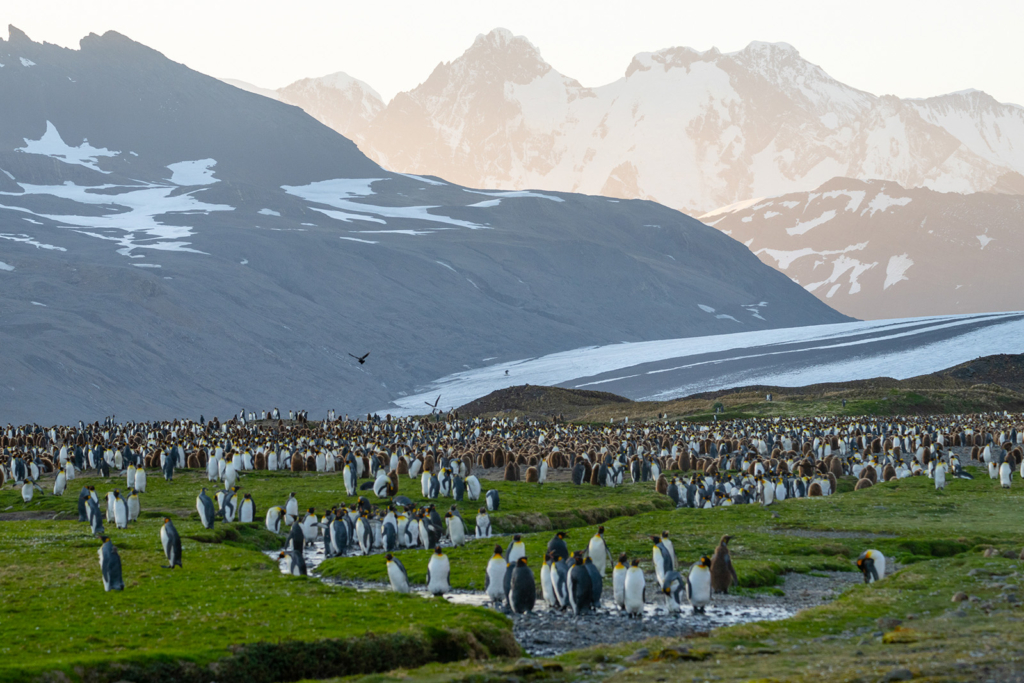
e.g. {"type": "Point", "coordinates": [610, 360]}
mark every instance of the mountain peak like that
{"type": "Point", "coordinates": [765, 48]}
{"type": "Point", "coordinates": [17, 35]}
{"type": "Point", "coordinates": [501, 38]}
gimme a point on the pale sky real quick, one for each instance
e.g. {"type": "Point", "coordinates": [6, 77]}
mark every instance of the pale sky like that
{"type": "Point", "coordinates": [908, 48]}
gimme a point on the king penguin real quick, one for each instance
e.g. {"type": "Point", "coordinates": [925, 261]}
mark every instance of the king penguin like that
{"type": "Point", "coordinates": [547, 590]}
{"type": "Point", "coordinates": [494, 579]}
{"type": "Point", "coordinates": [205, 508]}
{"type": "Point", "coordinates": [674, 589]}
{"type": "Point", "coordinates": [275, 516]}
{"type": "Point", "coordinates": [438, 570]}
{"type": "Point", "coordinates": [698, 585]}
{"type": "Point", "coordinates": [523, 595]}
{"type": "Point", "coordinates": [872, 564]}
{"type": "Point", "coordinates": [397, 575]}
{"type": "Point", "coordinates": [120, 511]}
{"type": "Point", "coordinates": [110, 566]}
{"type": "Point", "coordinates": [662, 560]}
{"type": "Point", "coordinates": [247, 509]}
{"type": "Point", "coordinates": [634, 589]}
{"type": "Point", "coordinates": [516, 549]}
{"type": "Point", "coordinates": [619, 581]}
{"type": "Point", "coordinates": [579, 586]}
{"type": "Point", "coordinates": [483, 524]}
{"type": "Point", "coordinates": [171, 542]}
{"type": "Point", "coordinates": [296, 565]}
{"type": "Point", "coordinates": [598, 550]}
{"type": "Point", "coordinates": [557, 547]}
{"type": "Point", "coordinates": [493, 500]}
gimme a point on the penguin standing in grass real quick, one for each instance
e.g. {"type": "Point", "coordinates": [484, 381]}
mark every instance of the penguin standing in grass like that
{"type": "Point", "coordinates": [364, 534]}
{"type": "Point", "coordinates": [619, 574]}
{"type": "Point", "coordinates": [247, 509]}
{"type": "Point", "coordinates": [438, 571]}
{"type": "Point", "coordinates": [598, 551]}
{"type": "Point", "coordinates": [494, 580]}
{"type": "Point", "coordinates": [171, 542]}
{"type": "Point", "coordinates": [110, 566]}
{"type": "Point", "coordinates": [95, 517]}
{"type": "Point", "coordinates": [634, 590]}
{"type": "Point", "coordinates": [60, 483]}
{"type": "Point", "coordinates": [667, 543]}
{"type": "Point", "coordinates": [397, 575]}
{"type": "Point", "coordinates": [310, 528]}
{"type": "Point", "coordinates": [120, 511]}
{"type": "Point", "coordinates": [296, 562]}
{"type": "Point", "coordinates": [698, 585]}
{"type": "Point", "coordinates": [83, 497]}
{"type": "Point", "coordinates": [28, 489]}
{"type": "Point", "coordinates": [1005, 474]}
{"type": "Point", "coordinates": [516, 549]}
{"type": "Point", "coordinates": [523, 595]}
{"type": "Point", "coordinates": [483, 524]}
{"type": "Point", "coordinates": [557, 547]}
{"type": "Point", "coordinates": [204, 506]}
{"type": "Point", "coordinates": [275, 516]}
{"type": "Point", "coordinates": [472, 487]}
{"type": "Point", "coordinates": [872, 564]}
{"type": "Point", "coordinates": [140, 479]}
{"type": "Point", "coordinates": [134, 506]}
{"type": "Point", "coordinates": [493, 500]}
{"type": "Point", "coordinates": [456, 528]}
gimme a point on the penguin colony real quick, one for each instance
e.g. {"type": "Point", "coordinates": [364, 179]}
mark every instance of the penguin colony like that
{"type": "Point", "coordinates": [760, 461]}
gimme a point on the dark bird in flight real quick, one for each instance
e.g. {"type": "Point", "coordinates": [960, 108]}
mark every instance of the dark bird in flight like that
{"type": "Point", "coordinates": [361, 359]}
{"type": "Point", "coordinates": [433, 406]}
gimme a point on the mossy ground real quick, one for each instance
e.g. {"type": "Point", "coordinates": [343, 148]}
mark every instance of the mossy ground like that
{"type": "Point", "coordinates": [230, 594]}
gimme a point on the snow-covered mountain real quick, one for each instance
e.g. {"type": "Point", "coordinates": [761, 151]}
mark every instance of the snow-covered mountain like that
{"type": "Point", "coordinates": [692, 130]}
{"type": "Point", "coordinates": [337, 100]}
{"type": "Point", "coordinates": [876, 250]}
{"type": "Point", "coordinates": [171, 244]}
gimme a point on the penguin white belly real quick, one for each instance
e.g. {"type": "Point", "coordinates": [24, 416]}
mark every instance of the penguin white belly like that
{"type": "Point", "coordinates": [437, 570]}
{"type": "Point", "coordinates": [619, 586]}
{"type": "Point", "coordinates": [399, 582]}
{"type": "Point", "coordinates": [1005, 472]}
{"type": "Point", "coordinates": [634, 591]}
{"type": "Point", "coordinates": [140, 480]}
{"type": "Point", "coordinates": [246, 513]}
{"type": "Point", "coordinates": [597, 554]}
{"type": "Point", "coordinates": [700, 587]}
{"type": "Point", "coordinates": [456, 531]}
{"type": "Point", "coordinates": [120, 514]}
{"type": "Point", "coordinates": [496, 579]}
{"type": "Point", "coordinates": [546, 587]}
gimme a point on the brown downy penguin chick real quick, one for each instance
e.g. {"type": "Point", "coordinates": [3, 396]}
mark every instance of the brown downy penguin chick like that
{"type": "Point", "coordinates": [888, 473]}
{"type": "Point", "coordinates": [192, 462]}
{"type": "Point", "coordinates": [862, 484]}
{"type": "Point", "coordinates": [499, 458]}
{"type": "Point", "coordinates": [869, 473]}
{"type": "Point", "coordinates": [814, 490]}
{"type": "Point", "coordinates": [310, 463]}
{"type": "Point", "coordinates": [662, 485]}
{"type": "Point", "coordinates": [595, 476]}
{"type": "Point", "coordinates": [393, 483]}
{"type": "Point", "coordinates": [403, 466]}
{"type": "Point", "coordinates": [722, 573]}
{"type": "Point", "coordinates": [510, 472]}
{"type": "Point", "coordinates": [486, 461]}
{"type": "Point", "coordinates": [298, 464]}
{"type": "Point", "coordinates": [532, 475]}
{"type": "Point", "coordinates": [428, 463]}
{"type": "Point", "coordinates": [260, 462]}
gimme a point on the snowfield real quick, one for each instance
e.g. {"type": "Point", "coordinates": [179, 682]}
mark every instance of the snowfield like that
{"type": "Point", "coordinates": [797, 356]}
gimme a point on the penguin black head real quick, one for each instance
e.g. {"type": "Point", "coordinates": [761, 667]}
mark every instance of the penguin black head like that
{"type": "Point", "coordinates": [389, 557]}
{"type": "Point", "coordinates": [167, 520]}
{"type": "Point", "coordinates": [517, 538]}
{"type": "Point", "coordinates": [623, 558]}
{"type": "Point", "coordinates": [577, 558]}
{"type": "Point", "coordinates": [635, 562]}
{"type": "Point", "coordinates": [104, 539]}
{"type": "Point", "coordinates": [726, 539]}
{"type": "Point", "coordinates": [664, 534]}
{"type": "Point", "coordinates": [655, 540]}
{"type": "Point", "coordinates": [704, 561]}
{"type": "Point", "coordinates": [437, 550]}
{"type": "Point", "coordinates": [482, 511]}
{"type": "Point", "coordinates": [600, 531]}
{"type": "Point", "coordinates": [562, 534]}
{"type": "Point", "coordinates": [521, 562]}
{"type": "Point", "coordinates": [311, 510]}
{"type": "Point", "coordinates": [498, 550]}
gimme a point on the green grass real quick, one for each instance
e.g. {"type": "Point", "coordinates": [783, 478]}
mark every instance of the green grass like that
{"type": "Point", "coordinates": [231, 607]}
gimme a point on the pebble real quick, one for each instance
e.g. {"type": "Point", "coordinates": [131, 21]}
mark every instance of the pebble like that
{"type": "Point", "coordinates": [959, 597]}
{"type": "Point", "coordinates": [899, 675]}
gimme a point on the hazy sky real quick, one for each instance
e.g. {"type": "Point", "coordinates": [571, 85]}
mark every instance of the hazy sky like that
{"type": "Point", "coordinates": [902, 47]}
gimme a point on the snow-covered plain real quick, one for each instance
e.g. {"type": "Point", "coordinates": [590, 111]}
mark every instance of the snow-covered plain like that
{"type": "Point", "coordinates": [671, 368]}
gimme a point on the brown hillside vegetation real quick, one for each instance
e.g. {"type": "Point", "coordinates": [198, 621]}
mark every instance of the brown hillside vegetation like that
{"type": "Point", "coordinates": [985, 384]}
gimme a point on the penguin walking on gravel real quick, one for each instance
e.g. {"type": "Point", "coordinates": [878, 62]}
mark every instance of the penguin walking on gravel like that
{"type": "Point", "coordinates": [598, 551]}
{"type": "Point", "coordinates": [204, 506]}
{"type": "Point", "coordinates": [619, 574]}
{"type": "Point", "coordinates": [579, 586]}
{"type": "Point", "coordinates": [483, 524]}
{"type": "Point", "coordinates": [494, 579]}
{"type": "Point", "coordinates": [634, 590]}
{"type": "Point", "coordinates": [523, 595]}
{"type": "Point", "coordinates": [596, 581]}
{"type": "Point", "coordinates": [560, 583]}
{"type": "Point", "coordinates": [296, 565]}
{"type": "Point", "coordinates": [171, 542]}
{"type": "Point", "coordinates": [723, 575]}
{"type": "Point", "coordinates": [698, 585]}
{"type": "Point", "coordinates": [110, 566]}
{"type": "Point", "coordinates": [546, 587]}
{"type": "Point", "coordinates": [397, 576]}
{"type": "Point", "coordinates": [674, 589]}
{"type": "Point", "coordinates": [662, 560]}
{"type": "Point", "coordinates": [872, 564]}
{"type": "Point", "coordinates": [438, 572]}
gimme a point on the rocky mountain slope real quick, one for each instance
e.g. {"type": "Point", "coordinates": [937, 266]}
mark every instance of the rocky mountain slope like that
{"type": "Point", "coordinates": [172, 245]}
{"type": "Point", "coordinates": [692, 130]}
{"type": "Point", "coordinates": [876, 250]}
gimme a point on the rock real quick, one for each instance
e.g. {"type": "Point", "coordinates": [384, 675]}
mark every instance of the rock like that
{"type": "Point", "coordinates": [583, 667]}
{"type": "Point", "coordinates": [1011, 598]}
{"type": "Point", "coordinates": [888, 623]}
{"type": "Point", "coordinates": [991, 552]}
{"type": "Point", "coordinates": [638, 656]}
{"type": "Point", "coordinates": [898, 675]}
{"type": "Point", "coordinates": [959, 597]}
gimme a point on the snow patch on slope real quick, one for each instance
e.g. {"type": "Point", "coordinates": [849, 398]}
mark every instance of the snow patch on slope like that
{"type": "Point", "coordinates": [895, 271]}
{"type": "Point", "coordinates": [191, 173]}
{"type": "Point", "coordinates": [52, 145]}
